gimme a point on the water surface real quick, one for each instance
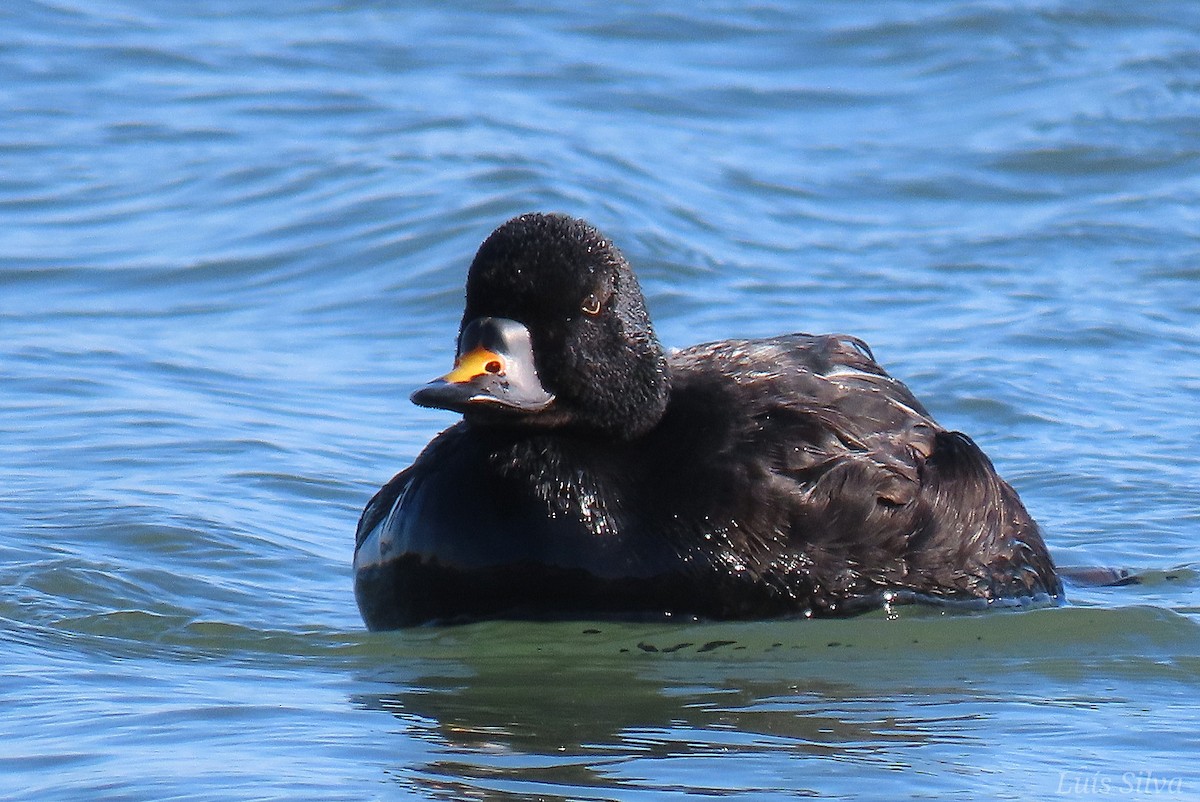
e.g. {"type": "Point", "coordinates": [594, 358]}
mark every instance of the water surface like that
{"type": "Point", "coordinates": [233, 237]}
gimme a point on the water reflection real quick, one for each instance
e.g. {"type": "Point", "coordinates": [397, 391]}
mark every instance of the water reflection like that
{"type": "Point", "coordinates": [555, 712]}
{"type": "Point", "coordinates": [807, 708]}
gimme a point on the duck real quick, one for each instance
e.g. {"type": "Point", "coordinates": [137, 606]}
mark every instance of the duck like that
{"type": "Point", "coordinates": [594, 475]}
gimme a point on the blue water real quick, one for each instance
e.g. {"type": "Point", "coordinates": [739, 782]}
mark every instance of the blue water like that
{"type": "Point", "coordinates": [233, 237]}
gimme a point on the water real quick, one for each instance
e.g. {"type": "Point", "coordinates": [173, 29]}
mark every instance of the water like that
{"type": "Point", "coordinates": [233, 237]}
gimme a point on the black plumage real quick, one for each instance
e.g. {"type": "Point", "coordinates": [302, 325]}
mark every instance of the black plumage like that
{"type": "Point", "coordinates": [594, 475]}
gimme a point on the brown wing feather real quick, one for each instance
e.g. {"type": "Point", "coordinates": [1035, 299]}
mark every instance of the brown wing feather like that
{"type": "Point", "coordinates": [867, 477]}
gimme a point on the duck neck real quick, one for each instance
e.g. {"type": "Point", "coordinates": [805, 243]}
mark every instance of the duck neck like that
{"type": "Point", "coordinates": [628, 406]}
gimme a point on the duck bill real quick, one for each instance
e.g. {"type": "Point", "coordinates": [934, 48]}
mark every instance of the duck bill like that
{"type": "Point", "coordinates": [494, 368]}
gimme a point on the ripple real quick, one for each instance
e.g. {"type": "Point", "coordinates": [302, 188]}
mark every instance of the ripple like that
{"type": "Point", "coordinates": [234, 241]}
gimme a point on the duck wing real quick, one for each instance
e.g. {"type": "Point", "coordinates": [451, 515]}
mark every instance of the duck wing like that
{"type": "Point", "coordinates": [843, 466]}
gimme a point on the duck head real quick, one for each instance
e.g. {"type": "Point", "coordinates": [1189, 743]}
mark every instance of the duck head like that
{"type": "Point", "coordinates": [555, 334]}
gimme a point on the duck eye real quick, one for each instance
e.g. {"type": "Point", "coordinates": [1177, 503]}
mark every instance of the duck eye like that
{"type": "Point", "coordinates": [591, 305]}
{"type": "Point", "coordinates": [494, 366]}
